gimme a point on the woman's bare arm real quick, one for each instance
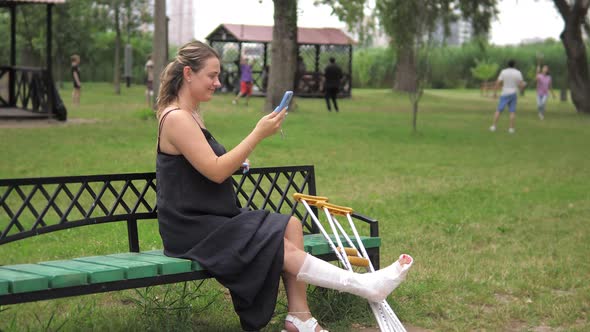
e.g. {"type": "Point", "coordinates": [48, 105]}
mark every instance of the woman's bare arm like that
{"type": "Point", "coordinates": [182, 135]}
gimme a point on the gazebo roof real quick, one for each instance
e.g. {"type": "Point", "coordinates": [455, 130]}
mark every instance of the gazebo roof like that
{"type": "Point", "coordinates": [263, 34]}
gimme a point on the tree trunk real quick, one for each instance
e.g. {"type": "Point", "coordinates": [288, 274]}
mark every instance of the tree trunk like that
{"type": "Point", "coordinates": [414, 113]}
{"type": "Point", "coordinates": [405, 71]}
{"type": "Point", "coordinates": [117, 69]}
{"type": "Point", "coordinates": [283, 52]}
{"type": "Point", "coordinates": [415, 100]}
{"type": "Point", "coordinates": [159, 49]}
{"type": "Point", "coordinates": [575, 49]}
{"type": "Point", "coordinates": [577, 65]}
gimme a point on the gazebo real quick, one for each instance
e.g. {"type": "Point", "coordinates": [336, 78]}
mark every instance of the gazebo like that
{"type": "Point", "coordinates": [315, 47]}
{"type": "Point", "coordinates": [29, 92]}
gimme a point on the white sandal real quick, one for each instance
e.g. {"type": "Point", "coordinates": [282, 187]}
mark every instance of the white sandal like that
{"type": "Point", "coordinates": [303, 326]}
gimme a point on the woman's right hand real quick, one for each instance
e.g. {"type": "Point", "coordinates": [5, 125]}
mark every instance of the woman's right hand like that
{"type": "Point", "coordinates": [270, 124]}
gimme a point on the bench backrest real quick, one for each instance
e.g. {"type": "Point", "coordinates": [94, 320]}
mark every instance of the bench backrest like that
{"type": "Point", "coordinates": [34, 206]}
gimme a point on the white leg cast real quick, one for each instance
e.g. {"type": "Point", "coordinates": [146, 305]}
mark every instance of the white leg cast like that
{"type": "Point", "coordinates": [374, 287]}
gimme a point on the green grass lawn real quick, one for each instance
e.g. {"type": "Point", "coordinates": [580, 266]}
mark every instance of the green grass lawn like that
{"type": "Point", "coordinates": [498, 224]}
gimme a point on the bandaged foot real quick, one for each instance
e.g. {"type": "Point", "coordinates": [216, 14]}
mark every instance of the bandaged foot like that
{"type": "Point", "coordinates": [374, 287]}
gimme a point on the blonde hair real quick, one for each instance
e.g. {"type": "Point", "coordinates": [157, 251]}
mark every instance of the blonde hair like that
{"type": "Point", "coordinates": [75, 58]}
{"type": "Point", "coordinates": [192, 54]}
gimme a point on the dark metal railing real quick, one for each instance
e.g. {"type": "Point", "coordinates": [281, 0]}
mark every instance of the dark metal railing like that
{"type": "Point", "coordinates": [32, 89]}
{"type": "Point", "coordinates": [29, 207]}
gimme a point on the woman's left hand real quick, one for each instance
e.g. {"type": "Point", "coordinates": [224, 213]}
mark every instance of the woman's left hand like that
{"type": "Point", "coordinates": [269, 124]}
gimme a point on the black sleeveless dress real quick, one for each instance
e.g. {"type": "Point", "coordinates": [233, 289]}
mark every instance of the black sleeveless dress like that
{"type": "Point", "coordinates": [76, 69]}
{"type": "Point", "coordinates": [200, 220]}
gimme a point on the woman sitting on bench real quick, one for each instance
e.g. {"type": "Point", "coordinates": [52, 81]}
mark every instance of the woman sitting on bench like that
{"type": "Point", "coordinates": [246, 251]}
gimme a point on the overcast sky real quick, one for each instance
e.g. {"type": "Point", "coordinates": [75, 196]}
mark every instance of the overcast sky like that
{"type": "Point", "coordinates": [518, 19]}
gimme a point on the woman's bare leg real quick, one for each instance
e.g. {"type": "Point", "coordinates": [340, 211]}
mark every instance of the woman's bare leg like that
{"type": "Point", "coordinates": [294, 258]}
{"type": "Point", "coordinates": [76, 96]}
{"type": "Point", "coordinates": [238, 96]}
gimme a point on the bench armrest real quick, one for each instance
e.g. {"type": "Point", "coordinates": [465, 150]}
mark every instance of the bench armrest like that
{"type": "Point", "coordinates": [373, 223]}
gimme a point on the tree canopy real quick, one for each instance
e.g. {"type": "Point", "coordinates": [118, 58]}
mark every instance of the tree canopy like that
{"type": "Point", "coordinates": [84, 27]}
{"type": "Point", "coordinates": [399, 18]}
{"type": "Point", "coordinates": [409, 23]}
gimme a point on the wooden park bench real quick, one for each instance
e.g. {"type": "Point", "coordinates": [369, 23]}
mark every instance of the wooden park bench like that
{"type": "Point", "coordinates": [486, 87]}
{"type": "Point", "coordinates": [36, 206]}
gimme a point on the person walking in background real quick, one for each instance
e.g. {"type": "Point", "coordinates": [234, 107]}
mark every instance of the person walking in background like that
{"type": "Point", "coordinates": [149, 80]}
{"type": "Point", "coordinates": [245, 81]}
{"type": "Point", "coordinates": [544, 85]}
{"type": "Point", "coordinates": [76, 79]}
{"type": "Point", "coordinates": [333, 76]}
{"type": "Point", "coordinates": [511, 80]}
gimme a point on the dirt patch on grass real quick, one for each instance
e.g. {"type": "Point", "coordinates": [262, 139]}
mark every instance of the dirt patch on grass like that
{"type": "Point", "coordinates": [544, 328]}
{"type": "Point", "coordinates": [411, 328]}
{"type": "Point", "coordinates": [43, 123]}
{"type": "Point", "coordinates": [505, 298]}
{"type": "Point", "coordinates": [518, 325]}
{"type": "Point", "coordinates": [559, 292]}
{"type": "Point", "coordinates": [515, 325]}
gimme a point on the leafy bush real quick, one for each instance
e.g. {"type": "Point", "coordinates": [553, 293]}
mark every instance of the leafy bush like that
{"type": "Point", "coordinates": [145, 114]}
{"type": "Point", "coordinates": [484, 70]}
{"type": "Point", "coordinates": [373, 68]}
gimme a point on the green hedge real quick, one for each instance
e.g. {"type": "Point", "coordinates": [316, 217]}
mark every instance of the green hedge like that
{"type": "Point", "coordinates": [373, 67]}
{"type": "Point", "coordinates": [451, 66]}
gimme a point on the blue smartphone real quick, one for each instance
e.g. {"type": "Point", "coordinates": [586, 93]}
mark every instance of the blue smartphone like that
{"type": "Point", "coordinates": [285, 102]}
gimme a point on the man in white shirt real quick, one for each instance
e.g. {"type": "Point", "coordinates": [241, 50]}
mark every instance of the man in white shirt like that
{"type": "Point", "coordinates": [511, 81]}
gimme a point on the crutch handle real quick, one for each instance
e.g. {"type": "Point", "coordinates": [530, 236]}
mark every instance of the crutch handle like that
{"type": "Point", "coordinates": [349, 251]}
{"type": "Point", "coordinates": [358, 261]}
{"type": "Point", "coordinates": [335, 209]}
{"type": "Point", "coordinates": [311, 200]}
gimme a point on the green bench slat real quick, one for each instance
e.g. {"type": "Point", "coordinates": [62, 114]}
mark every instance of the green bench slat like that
{"type": "Point", "coordinates": [133, 269]}
{"type": "Point", "coordinates": [195, 266]}
{"type": "Point", "coordinates": [315, 244]}
{"type": "Point", "coordinates": [97, 269]}
{"type": "Point", "coordinates": [157, 252]}
{"type": "Point", "coordinates": [4, 286]}
{"type": "Point", "coordinates": [57, 277]}
{"type": "Point", "coordinates": [96, 273]}
{"type": "Point", "coordinates": [166, 265]}
{"type": "Point", "coordinates": [21, 282]}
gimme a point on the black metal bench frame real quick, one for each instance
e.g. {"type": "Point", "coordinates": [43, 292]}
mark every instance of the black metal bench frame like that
{"type": "Point", "coordinates": [129, 195]}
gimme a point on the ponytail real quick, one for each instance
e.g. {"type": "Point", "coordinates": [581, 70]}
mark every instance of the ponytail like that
{"type": "Point", "coordinates": [170, 84]}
